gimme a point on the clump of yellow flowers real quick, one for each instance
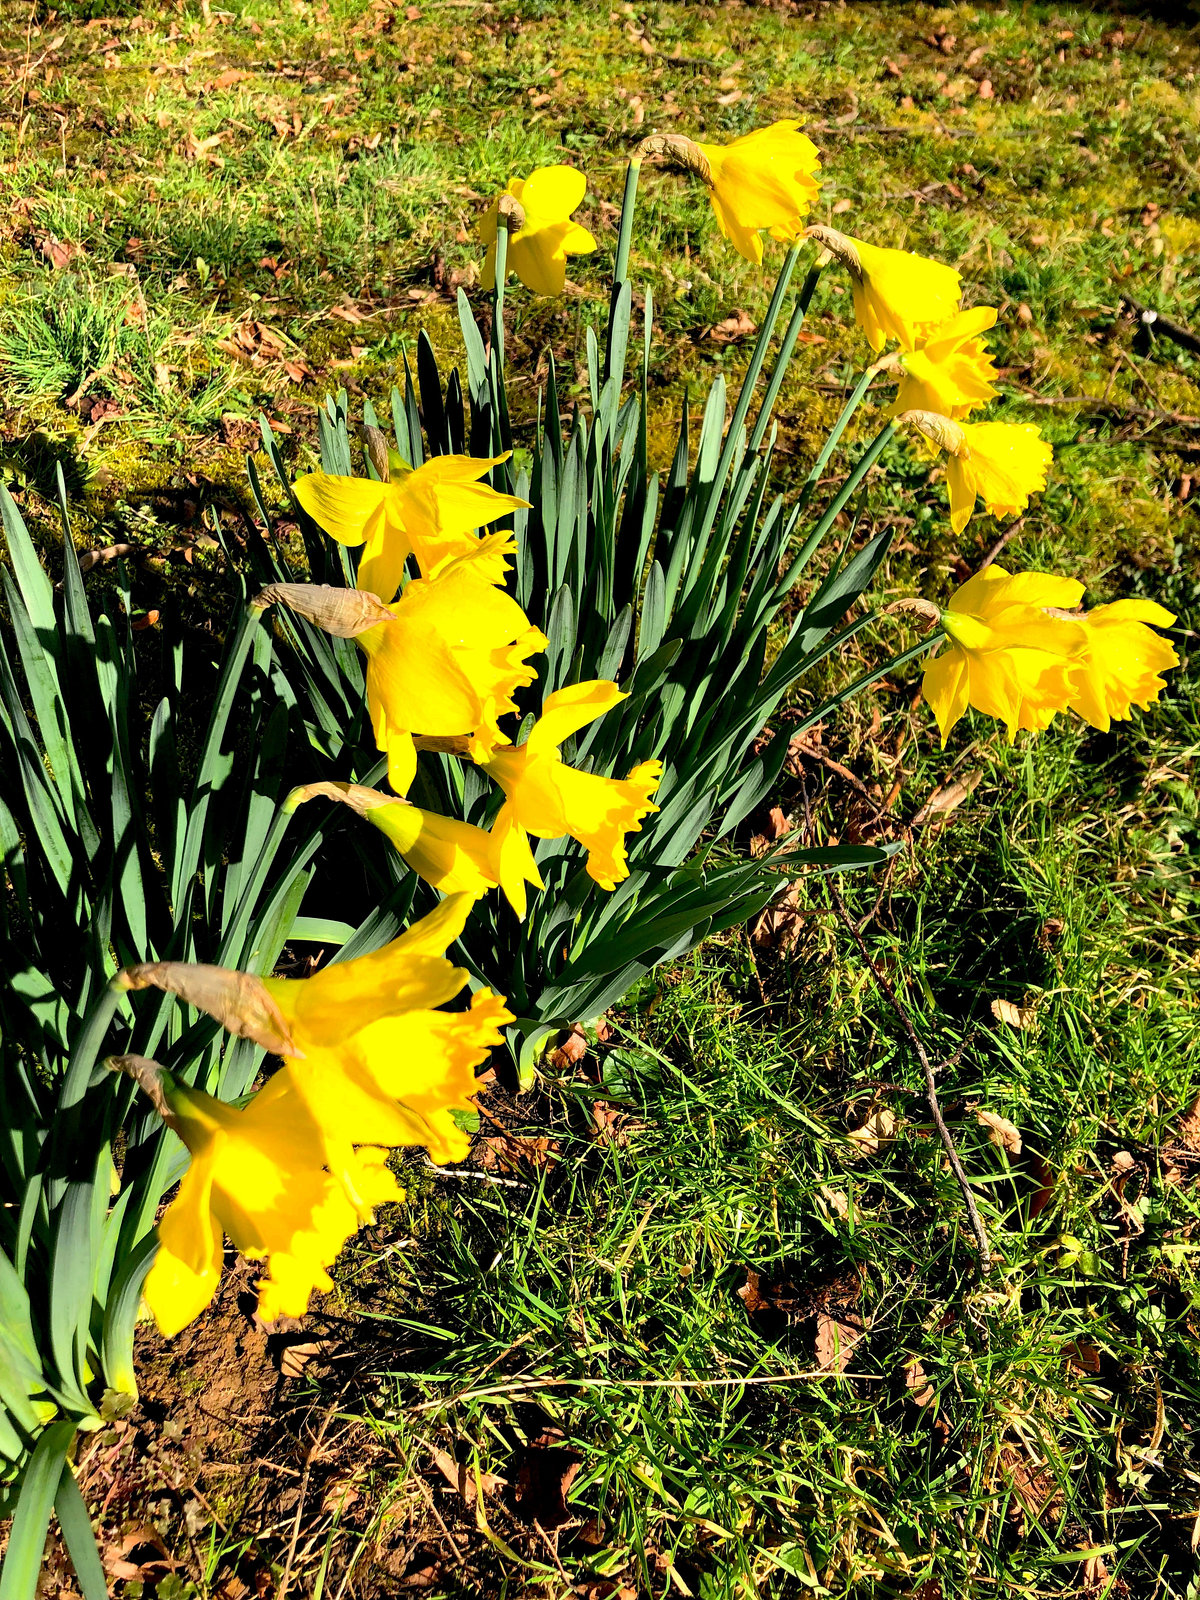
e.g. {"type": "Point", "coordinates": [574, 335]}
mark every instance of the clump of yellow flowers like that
{"type": "Point", "coordinates": [369, 1060]}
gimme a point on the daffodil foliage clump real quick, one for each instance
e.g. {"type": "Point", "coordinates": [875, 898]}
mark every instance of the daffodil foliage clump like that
{"type": "Point", "coordinates": [536, 701]}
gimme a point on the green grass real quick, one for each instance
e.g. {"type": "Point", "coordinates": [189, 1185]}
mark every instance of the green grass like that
{"type": "Point", "coordinates": [356, 148]}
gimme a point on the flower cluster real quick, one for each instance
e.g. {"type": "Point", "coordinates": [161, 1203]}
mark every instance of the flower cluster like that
{"type": "Point", "coordinates": [369, 1060]}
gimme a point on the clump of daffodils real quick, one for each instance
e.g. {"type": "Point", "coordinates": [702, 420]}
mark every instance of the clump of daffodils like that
{"type": "Point", "coordinates": [369, 1060]}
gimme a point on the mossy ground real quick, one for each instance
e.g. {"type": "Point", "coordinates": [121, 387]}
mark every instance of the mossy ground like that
{"type": "Point", "coordinates": [300, 183]}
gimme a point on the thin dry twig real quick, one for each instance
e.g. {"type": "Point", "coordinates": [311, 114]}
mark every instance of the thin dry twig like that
{"type": "Point", "coordinates": [309, 1457]}
{"type": "Point", "coordinates": [1010, 532]}
{"type": "Point", "coordinates": [931, 1099]}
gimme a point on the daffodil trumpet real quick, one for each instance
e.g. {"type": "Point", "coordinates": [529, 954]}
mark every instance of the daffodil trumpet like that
{"type": "Point", "coordinates": [454, 857]}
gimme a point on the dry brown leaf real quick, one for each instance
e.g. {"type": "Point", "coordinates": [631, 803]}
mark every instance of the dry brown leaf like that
{"type": "Point", "coordinates": [1035, 1488]}
{"type": "Point", "coordinates": [833, 1202]}
{"type": "Point", "coordinates": [943, 801]}
{"type": "Point", "coordinates": [1189, 1126]}
{"type": "Point", "coordinates": [876, 1129]}
{"type": "Point", "coordinates": [512, 1151]}
{"type": "Point", "coordinates": [572, 1049]}
{"type": "Point", "coordinates": [339, 1496]}
{"type": "Point", "coordinates": [1094, 1572]}
{"type": "Point", "coordinates": [738, 326]}
{"type": "Point", "coordinates": [1000, 1131]}
{"type": "Point", "coordinates": [920, 1390]}
{"type": "Point", "coordinates": [1022, 1017]}
{"type": "Point", "coordinates": [1083, 1356]}
{"type": "Point", "coordinates": [293, 1358]}
{"type": "Point", "coordinates": [778, 927]}
{"type": "Point", "coordinates": [836, 1339]}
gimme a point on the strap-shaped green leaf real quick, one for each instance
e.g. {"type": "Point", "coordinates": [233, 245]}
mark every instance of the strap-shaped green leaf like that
{"type": "Point", "coordinates": [77, 1534]}
{"type": "Point", "coordinates": [27, 1538]}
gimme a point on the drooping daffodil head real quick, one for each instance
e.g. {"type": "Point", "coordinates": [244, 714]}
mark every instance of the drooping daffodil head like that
{"type": "Point", "coordinates": [1011, 642]}
{"type": "Point", "coordinates": [764, 182]}
{"type": "Point", "coordinates": [369, 1060]}
{"type": "Point", "coordinates": [538, 248]}
{"type": "Point", "coordinates": [1000, 463]}
{"type": "Point", "coordinates": [448, 663]}
{"type": "Point", "coordinates": [548, 799]}
{"type": "Point", "coordinates": [431, 512]}
{"type": "Point", "coordinates": [454, 856]}
{"type": "Point", "coordinates": [897, 294]}
{"type": "Point", "coordinates": [950, 371]}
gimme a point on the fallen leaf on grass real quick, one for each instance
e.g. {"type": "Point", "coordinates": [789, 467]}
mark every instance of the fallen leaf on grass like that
{"type": "Point", "coordinates": [1022, 1017]}
{"type": "Point", "coordinates": [778, 927]}
{"type": "Point", "coordinates": [1000, 1131]}
{"type": "Point", "coordinates": [460, 1475]}
{"type": "Point", "coordinates": [833, 1202]}
{"type": "Point", "coordinates": [876, 1129]}
{"type": "Point", "coordinates": [293, 1358]}
{"type": "Point", "coordinates": [511, 1151]}
{"type": "Point", "coordinates": [58, 254]}
{"type": "Point", "coordinates": [1083, 1357]}
{"type": "Point", "coordinates": [1035, 1488]}
{"type": "Point", "coordinates": [920, 1390]}
{"type": "Point", "coordinates": [738, 326]}
{"type": "Point", "coordinates": [572, 1049]}
{"type": "Point", "coordinates": [613, 1126]}
{"type": "Point", "coordinates": [945, 800]}
{"type": "Point", "coordinates": [836, 1339]}
{"type": "Point", "coordinates": [544, 1478]}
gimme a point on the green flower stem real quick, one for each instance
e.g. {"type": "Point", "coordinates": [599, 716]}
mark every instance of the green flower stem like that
{"type": "Point", "coordinates": [835, 433]}
{"type": "Point", "coordinates": [864, 464]}
{"type": "Point", "coordinates": [498, 293]}
{"type": "Point", "coordinates": [625, 235]}
{"type": "Point", "coordinates": [740, 411]}
{"type": "Point", "coordinates": [787, 345]}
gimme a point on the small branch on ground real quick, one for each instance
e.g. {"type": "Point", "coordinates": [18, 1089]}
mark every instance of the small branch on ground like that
{"type": "Point", "coordinates": [931, 1098]}
{"type": "Point", "coordinates": [1010, 532]}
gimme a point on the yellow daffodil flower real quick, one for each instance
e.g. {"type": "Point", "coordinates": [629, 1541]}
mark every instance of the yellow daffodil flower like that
{"type": "Point", "coordinates": [950, 370]}
{"type": "Point", "coordinates": [766, 180]}
{"type": "Point", "coordinates": [551, 800]}
{"type": "Point", "coordinates": [1000, 463]}
{"type": "Point", "coordinates": [431, 513]}
{"type": "Point", "coordinates": [364, 1048]}
{"type": "Point", "coordinates": [538, 249]}
{"type": "Point", "coordinates": [1121, 660]}
{"type": "Point", "coordinates": [371, 1058]}
{"type": "Point", "coordinates": [448, 663]}
{"type": "Point", "coordinates": [258, 1175]}
{"type": "Point", "coordinates": [897, 295]}
{"type": "Point", "coordinates": [455, 857]}
{"type": "Point", "coordinates": [1007, 654]}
